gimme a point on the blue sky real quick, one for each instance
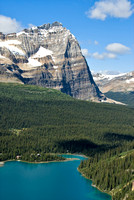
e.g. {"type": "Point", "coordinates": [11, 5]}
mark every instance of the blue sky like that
{"type": "Point", "coordinates": [104, 28]}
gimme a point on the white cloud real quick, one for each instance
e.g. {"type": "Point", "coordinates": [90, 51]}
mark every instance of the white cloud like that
{"type": "Point", "coordinates": [98, 56]}
{"type": "Point", "coordinates": [110, 55]}
{"type": "Point", "coordinates": [9, 25]}
{"type": "Point", "coordinates": [113, 8]}
{"type": "Point", "coordinates": [117, 48]}
{"type": "Point", "coordinates": [85, 52]}
{"type": "Point", "coordinates": [104, 55]}
{"type": "Point", "coordinates": [96, 42]}
{"type": "Point", "coordinates": [31, 26]}
{"type": "Point", "coordinates": [113, 51]}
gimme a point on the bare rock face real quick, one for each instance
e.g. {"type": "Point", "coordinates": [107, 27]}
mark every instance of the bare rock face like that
{"type": "Point", "coordinates": [49, 56]}
{"type": "Point", "coordinates": [115, 83]}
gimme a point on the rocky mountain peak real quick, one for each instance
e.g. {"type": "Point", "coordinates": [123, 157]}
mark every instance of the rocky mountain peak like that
{"type": "Point", "coordinates": [36, 29]}
{"type": "Point", "coordinates": [47, 26]}
{"type": "Point", "coordinates": [50, 56]}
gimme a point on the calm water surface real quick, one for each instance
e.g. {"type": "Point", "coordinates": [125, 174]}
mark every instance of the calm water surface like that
{"type": "Point", "coordinates": [47, 181]}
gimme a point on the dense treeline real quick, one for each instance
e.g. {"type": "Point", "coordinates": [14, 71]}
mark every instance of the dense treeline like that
{"type": "Point", "coordinates": [124, 97]}
{"type": "Point", "coordinates": [111, 173]}
{"type": "Point", "coordinates": [36, 122]}
{"type": "Point", "coordinates": [34, 157]}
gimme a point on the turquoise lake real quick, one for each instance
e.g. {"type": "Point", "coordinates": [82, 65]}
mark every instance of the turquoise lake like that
{"type": "Point", "coordinates": [46, 181]}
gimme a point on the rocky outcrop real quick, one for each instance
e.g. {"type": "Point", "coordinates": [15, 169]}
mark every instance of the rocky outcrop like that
{"type": "Point", "coordinates": [115, 83]}
{"type": "Point", "coordinates": [49, 56]}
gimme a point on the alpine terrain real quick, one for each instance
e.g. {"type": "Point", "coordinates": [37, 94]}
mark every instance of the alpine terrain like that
{"type": "Point", "coordinates": [119, 87]}
{"type": "Point", "coordinates": [123, 82]}
{"type": "Point", "coordinates": [48, 56]}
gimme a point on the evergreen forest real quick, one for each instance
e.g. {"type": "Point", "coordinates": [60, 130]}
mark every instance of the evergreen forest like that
{"type": "Point", "coordinates": [37, 124]}
{"type": "Point", "coordinates": [124, 97]}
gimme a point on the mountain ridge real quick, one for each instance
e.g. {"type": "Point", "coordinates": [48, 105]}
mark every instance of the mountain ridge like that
{"type": "Point", "coordinates": [122, 82]}
{"type": "Point", "coordinates": [48, 56]}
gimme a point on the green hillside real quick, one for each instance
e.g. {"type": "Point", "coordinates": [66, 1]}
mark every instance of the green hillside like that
{"type": "Point", "coordinates": [124, 97]}
{"type": "Point", "coordinates": [113, 174]}
{"type": "Point", "coordinates": [35, 120]}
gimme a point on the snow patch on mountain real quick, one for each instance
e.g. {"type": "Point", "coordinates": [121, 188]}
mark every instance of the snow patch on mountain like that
{"type": "Point", "coordinates": [55, 67]}
{"type": "Point", "coordinates": [98, 76]}
{"type": "Point", "coordinates": [43, 32]}
{"type": "Point", "coordinates": [54, 29]}
{"type": "Point", "coordinates": [20, 33]}
{"type": "Point", "coordinates": [2, 56]}
{"type": "Point", "coordinates": [130, 80]}
{"type": "Point", "coordinates": [34, 62]}
{"type": "Point", "coordinates": [122, 82]}
{"type": "Point", "coordinates": [34, 27]}
{"type": "Point", "coordinates": [10, 44]}
{"type": "Point", "coordinates": [42, 52]}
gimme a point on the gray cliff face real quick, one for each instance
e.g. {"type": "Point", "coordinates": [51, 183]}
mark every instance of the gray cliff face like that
{"type": "Point", "coordinates": [48, 56]}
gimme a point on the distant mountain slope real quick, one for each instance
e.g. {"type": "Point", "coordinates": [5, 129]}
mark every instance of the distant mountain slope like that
{"type": "Point", "coordinates": [124, 97]}
{"type": "Point", "coordinates": [119, 87]}
{"type": "Point", "coordinates": [115, 83]}
{"type": "Point", "coordinates": [48, 56]}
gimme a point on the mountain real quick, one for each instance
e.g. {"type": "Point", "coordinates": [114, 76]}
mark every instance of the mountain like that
{"type": "Point", "coordinates": [119, 87]}
{"type": "Point", "coordinates": [115, 82]}
{"type": "Point", "coordinates": [48, 56]}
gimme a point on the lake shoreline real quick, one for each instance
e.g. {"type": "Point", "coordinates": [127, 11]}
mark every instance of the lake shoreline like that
{"type": "Point", "coordinates": [93, 184]}
{"type": "Point", "coordinates": [68, 159]}
{"type": "Point", "coordinates": [41, 162]}
{"type": "Point", "coordinates": [50, 172]}
{"type": "Point", "coordinates": [56, 161]}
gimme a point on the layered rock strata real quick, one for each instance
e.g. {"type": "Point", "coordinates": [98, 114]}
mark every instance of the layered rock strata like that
{"type": "Point", "coordinates": [48, 56]}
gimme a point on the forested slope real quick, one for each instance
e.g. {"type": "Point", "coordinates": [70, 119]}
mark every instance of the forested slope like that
{"type": "Point", "coordinates": [124, 97]}
{"type": "Point", "coordinates": [35, 120]}
{"type": "Point", "coordinates": [112, 172]}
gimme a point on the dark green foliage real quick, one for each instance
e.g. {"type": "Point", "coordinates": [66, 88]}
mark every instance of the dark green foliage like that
{"type": "Point", "coordinates": [45, 120]}
{"type": "Point", "coordinates": [112, 172]}
{"type": "Point", "coordinates": [124, 97]}
{"type": "Point", "coordinates": [35, 120]}
{"type": "Point", "coordinates": [131, 196]}
{"type": "Point", "coordinates": [34, 157]}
